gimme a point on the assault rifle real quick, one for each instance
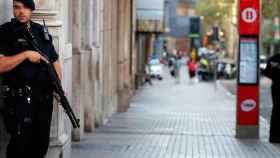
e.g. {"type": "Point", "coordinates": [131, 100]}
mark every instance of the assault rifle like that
{"type": "Point", "coordinates": [56, 83]}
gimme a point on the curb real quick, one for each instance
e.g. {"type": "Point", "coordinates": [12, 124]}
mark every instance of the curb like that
{"type": "Point", "coordinates": [222, 88]}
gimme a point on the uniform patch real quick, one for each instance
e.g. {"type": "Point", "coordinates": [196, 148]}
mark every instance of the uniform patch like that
{"type": "Point", "coordinates": [22, 42]}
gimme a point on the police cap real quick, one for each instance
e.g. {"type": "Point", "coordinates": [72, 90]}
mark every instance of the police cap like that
{"type": "Point", "coordinates": [28, 3]}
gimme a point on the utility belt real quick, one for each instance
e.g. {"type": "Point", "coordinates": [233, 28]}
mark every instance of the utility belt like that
{"type": "Point", "coordinates": [17, 92]}
{"type": "Point", "coordinates": [15, 118]}
{"type": "Point", "coordinates": [19, 101]}
{"type": "Point", "coordinates": [24, 91]}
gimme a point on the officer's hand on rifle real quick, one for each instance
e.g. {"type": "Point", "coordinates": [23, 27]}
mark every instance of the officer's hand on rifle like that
{"type": "Point", "coordinates": [34, 57]}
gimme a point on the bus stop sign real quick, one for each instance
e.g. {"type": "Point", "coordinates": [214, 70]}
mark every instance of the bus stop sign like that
{"type": "Point", "coordinates": [248, 70]}
{"type": "Point", "coordinates": [249, 17]}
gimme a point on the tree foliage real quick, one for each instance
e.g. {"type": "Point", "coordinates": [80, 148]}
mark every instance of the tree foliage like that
{"type": "Point", "coordinates": [217, 10]}
{"type": "Point", "coordinates": [214, 11]}
{"type": "Point", "coordinates": [270, 8]}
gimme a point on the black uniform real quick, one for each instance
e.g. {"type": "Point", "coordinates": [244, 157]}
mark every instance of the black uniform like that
{"type": "Point", "coordinates": [28, 97]}
{"type": "Point", "coordinates": [273, 72]}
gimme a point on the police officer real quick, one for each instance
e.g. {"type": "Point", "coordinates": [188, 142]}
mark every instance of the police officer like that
{"type": "Point", "coordinates": [272, 71]}
{"type": "Point", "coordinates": [28, 95]}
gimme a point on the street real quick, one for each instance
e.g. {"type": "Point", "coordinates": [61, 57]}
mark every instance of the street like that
{"type": "Point", "coordinates": [169, 120]}
{"type": "Point", "coordinates": [99, 53]}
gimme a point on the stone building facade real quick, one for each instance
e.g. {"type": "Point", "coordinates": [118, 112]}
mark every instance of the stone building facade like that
{"type": "Point", "coordinates": [96, 43]}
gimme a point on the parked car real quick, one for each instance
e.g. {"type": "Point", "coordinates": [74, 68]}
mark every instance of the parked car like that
{"type": "Point", "coordinates": [156, 69]}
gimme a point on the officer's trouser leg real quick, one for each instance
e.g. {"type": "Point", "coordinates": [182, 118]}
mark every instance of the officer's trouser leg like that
{"type": "Point", "coordinates": [42, 128]}
{"type": "Point", "coordinates": [21, 136]}
{"type": "Point", "coordinates": [19, 143]}
{"type": "Point", "coordinates": [33, 140]}
{"type": "Point", "coordinates": [275, 116]}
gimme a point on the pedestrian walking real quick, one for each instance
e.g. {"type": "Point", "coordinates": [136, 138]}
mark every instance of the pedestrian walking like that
{"type": "Point", "coordinates": [177, 68]}
{"type": "Point", "coordinates": [147, 74]}
{"type": "Point", "coordinates": [28, 95]}
{"type": "Point", "coordinates": [272, 71]}
{"type": "Point", "coordinates": [192, 68]}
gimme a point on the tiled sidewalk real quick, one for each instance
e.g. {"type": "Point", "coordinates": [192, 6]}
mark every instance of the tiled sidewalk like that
{"type": "Point", "coordinates": [169, 120]}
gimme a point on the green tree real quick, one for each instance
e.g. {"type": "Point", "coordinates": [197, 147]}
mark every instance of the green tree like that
{"type": "Point", "coordinates": [214, 11]}
{"type": "Point", "coordinates": [270, 8]}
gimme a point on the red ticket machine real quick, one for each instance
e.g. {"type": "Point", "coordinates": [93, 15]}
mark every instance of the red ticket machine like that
{"type": "Point", "coordinates": [247, 117]}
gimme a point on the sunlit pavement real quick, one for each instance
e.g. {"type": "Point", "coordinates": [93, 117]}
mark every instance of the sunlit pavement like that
{"type": "Point", "coordinates": [171, 120]}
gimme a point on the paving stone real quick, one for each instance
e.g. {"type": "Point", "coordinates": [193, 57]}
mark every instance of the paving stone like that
{"type": "Point", "coordinates": [169, 120]}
